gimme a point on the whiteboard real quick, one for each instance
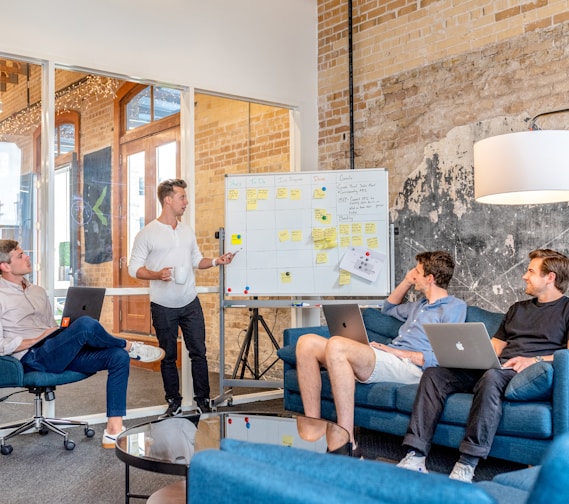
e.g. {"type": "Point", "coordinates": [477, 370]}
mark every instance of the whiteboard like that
{"type": "Point", "coordinates": [308, 233]}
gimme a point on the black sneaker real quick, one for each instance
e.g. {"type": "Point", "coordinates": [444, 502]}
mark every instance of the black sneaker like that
{"type": "Point", "coordinates": [203, 404]}
{"type": "Point", "coordinates": [174, 409]}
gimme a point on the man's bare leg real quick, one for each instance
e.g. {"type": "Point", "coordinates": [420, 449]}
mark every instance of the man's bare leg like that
{"type": "Point", "coordinates": [346, 360]}
{"type": "Point", "coordinates": [310, 355]}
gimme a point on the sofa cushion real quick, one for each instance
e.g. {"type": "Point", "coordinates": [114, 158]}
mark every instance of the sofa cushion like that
{"type": "Point", "coordinates": [380, 327]}
{"type": "Point", "coordinates": [534, 383]}
{"type": "Point", "coordinates": [288, 354]}
{"type": "Point", "coordinates": [491, 320]}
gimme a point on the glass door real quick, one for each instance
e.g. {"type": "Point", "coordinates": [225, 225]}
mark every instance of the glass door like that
{"type": "Point", "coordinates": [145, 163]}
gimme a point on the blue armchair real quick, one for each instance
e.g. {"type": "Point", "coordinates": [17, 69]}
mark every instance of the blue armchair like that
{"type": "Point", "coordinates": [12, 375]}
{"type": "Point", "coordinates": [248, 472]}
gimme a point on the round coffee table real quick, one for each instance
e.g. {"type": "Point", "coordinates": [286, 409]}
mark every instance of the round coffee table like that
{"type": "Point", "coordinates": [166, 446]}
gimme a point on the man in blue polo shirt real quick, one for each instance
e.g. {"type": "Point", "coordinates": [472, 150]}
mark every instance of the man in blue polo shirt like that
{"type": "Point", "coordinates": [402, 361]}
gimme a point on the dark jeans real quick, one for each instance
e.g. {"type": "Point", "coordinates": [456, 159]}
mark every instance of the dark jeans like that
{"type": "Point", "coordinates": [485, 413]}
{"type": "Point", "coordinates": [86, 347]}
{"type": "Point", "coordinates": [190, 319]}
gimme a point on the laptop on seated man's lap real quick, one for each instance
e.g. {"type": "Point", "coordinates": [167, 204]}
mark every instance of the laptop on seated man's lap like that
{"type": "Point", "coordinates": [464, 345]}
{"type": "Point", "coordinates": [79, 302]}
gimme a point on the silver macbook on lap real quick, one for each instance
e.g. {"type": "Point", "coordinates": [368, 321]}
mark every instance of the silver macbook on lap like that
{"type": "Point", "coordinates": [462, 345]}
{"type": "Point", "coordinates": [346, 320]}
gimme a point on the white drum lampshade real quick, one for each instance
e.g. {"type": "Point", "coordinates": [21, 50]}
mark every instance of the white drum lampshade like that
{"type": "Point", "coordinates": [525, 168]}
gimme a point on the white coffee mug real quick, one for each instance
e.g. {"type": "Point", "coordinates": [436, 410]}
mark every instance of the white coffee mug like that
{"type": "Point", "coordinates": [180, 274]}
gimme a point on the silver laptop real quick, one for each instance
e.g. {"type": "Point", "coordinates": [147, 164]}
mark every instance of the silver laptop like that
{"type": "Point", "coordinates": [346, 320]}
{"type": "Point", "coordinates": [462, 345]}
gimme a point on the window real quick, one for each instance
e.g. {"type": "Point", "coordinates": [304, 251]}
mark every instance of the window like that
{"type": "Point", "coordinates": [151, 104]}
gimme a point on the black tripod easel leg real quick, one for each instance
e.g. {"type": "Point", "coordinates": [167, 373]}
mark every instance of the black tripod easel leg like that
{"type": "Point", "coordinates": [252, 337]}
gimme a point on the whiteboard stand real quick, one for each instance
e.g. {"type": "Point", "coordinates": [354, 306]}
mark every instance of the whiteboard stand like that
{"type": "Point", "coordinates": [252, 337]}
{"type": "Point", "coordinates": [225, 385]}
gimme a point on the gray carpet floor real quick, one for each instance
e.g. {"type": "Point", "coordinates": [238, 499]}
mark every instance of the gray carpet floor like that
{"type": "Point", "coordinates": [41, 470]}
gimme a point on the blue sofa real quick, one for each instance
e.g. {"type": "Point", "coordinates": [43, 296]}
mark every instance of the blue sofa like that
{"type": "Point", "coordinates": [248, 472]}
{"type": "Point", "coordinates": [536, 406]}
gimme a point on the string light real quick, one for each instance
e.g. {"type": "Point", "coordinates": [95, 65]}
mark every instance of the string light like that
{"type": "Point", "coordinates": [78, 97]}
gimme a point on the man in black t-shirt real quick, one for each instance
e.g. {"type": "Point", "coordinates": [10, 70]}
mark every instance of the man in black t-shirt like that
{"type": "Point", "coordinates": [531, 332]}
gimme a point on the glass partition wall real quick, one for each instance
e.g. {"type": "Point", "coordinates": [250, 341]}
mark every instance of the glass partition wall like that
{"type": "Point", "coordinates": [93, 166]}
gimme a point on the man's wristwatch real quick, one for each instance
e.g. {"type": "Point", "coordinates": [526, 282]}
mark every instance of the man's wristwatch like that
{"type": "Point", "coordinates": [539, 358]}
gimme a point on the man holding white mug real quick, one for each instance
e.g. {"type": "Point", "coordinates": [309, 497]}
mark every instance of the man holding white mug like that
{"type": "Point", "coordinates": [166, 252]}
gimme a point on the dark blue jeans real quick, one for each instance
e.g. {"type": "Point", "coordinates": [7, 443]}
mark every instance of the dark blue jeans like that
{"type": "Point", "coordinates": [86, 347]}
{"type": "Point", "coordinates": [190, 319]}
{"type": "Point", "coordinates": [485, 413]}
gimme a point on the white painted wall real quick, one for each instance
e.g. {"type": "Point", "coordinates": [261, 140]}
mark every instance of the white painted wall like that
{"type": "Point", "coordinates": [259, 49]}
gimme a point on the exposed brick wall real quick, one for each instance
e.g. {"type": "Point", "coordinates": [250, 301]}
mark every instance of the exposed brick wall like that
{"type": "Point", "coordinates": [396, 46]}
{"type": "Point", "coordinates": [233, 137]}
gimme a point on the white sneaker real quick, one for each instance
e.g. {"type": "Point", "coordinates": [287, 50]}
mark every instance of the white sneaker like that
{"type": "Point", "coordinates": [109, 440]}
{"type": "Point", "coordinates": [462, 472]}
{"type": "Point", "coordinates": [413, 463]}
{"type": "Point", "coordinates": [145, 353]}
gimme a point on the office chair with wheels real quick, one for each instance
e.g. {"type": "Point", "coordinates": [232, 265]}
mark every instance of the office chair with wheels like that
{"type": "Point", "coordinates": [12, 375]}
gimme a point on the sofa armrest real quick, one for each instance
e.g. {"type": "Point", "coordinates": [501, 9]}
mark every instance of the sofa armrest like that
{"type": "Point", "coordinates": [295, 470]}
{"type": "Point", "coordinates": [219, 476]}
{"type": "Point", "coordinates": [291, 335]}
{"type": "Point", "coordinates": [560, 398]}
{"type": "Point", "coordinates": [11, 372]}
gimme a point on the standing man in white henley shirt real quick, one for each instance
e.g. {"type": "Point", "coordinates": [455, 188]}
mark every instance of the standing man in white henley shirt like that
{"type": "Point", "coordinates": [166, 252]}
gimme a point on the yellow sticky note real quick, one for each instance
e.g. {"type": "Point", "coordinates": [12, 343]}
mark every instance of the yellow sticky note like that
{"type": "Point", "coordinates": [370, 227]}
{"type": "Point", "coordinates": [286, 277]}
{"type": "Point", "coordinates": [320, 244]}
{"type": "Point", "coordinates": [357, 241]}
{"type": "Point", "coordinates": [344, 229]}
{"type": "Point", "coordinates": [344, 241]}
{"type": "Point", "coordinates": [233, 194]}
{"type": "Point", "coordinates": [236, 239]}
{"type": "Point", "coordinates": [330, 243]}
{"type": "Point", "coordinates": [252, 204]}
{"type": "Point", "coordinates": [295, 194]}
{"type": "Point", "coordinates": [296, 235]}
{"type": "Point", "coordinates": [317, 234]}
{"type": "Point", "coordinates": [251, 194]}
{"type": "Point", "coordinates": [263, 194]}
{"type": "Point", "coordinates": [372, 243]}
{"type": "Point", "coordinates": [284, 236]}
{"type": "Point", "coordinates": [330, 233]}
{"type": "Point", "coordinates": [356, 228]}
{"type": "Point", "coordinates": [321, 258]}
{"type": "Point", "coordinates": [319, 213]}
{"type": "Point", "coordinates": [282, 193]}
{"type": "Point", "coordinates": [287, 440]}
{"type": "Point", "coordinates": [318, 194]}
{"type": "Point", "coordinates": [345, 277]}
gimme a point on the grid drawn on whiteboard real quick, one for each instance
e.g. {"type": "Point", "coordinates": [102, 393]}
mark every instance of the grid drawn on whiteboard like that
{"type": "Point", "coordinates": [294, 229]}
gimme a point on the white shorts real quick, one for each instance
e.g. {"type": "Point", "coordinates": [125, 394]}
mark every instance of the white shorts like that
{"type": "Point", "coordinates": [390, 368]}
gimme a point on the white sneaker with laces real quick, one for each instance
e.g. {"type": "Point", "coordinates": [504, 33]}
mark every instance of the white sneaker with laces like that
{"type": "Point", "coordinates": [145, 353]}
{"type": "Point", "coordinates": [413, 463]}
{"type": "Point", "coordinates": [462, 472]}
{"type": "Point", "coordinates": [109, 440]}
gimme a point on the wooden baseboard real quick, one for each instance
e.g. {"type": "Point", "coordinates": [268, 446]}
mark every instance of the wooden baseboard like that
{"type": "Point", "coordinates": [151, 340]}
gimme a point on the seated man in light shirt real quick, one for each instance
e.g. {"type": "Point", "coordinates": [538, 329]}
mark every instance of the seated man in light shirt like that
{"type": "Point", "coordinates": [26, 321]}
